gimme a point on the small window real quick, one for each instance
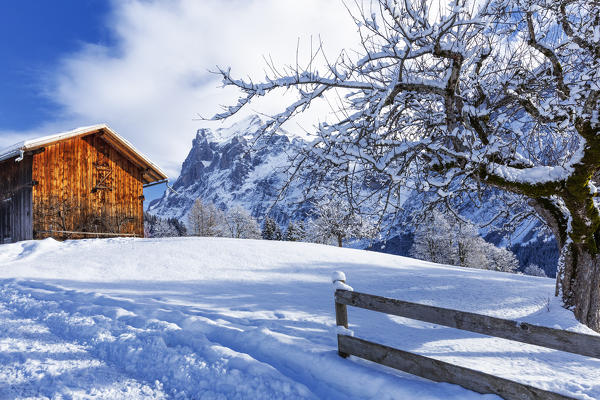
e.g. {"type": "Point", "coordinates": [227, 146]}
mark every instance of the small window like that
{"type": "Point", "coordinates": [102, 176]}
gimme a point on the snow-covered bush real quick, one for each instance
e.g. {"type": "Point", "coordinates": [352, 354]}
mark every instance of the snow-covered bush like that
{"type": "Point", "coordinates": [241, 225]}
{"type": "Point", "coordinates": [336, 221]}
{"type": "Point", "coordinates": [205, 219]}
{"type": "Point", "coordinates": [450, 241]}
{"type": "Point", "coordinates": [534, 270]}
{"type": "Point", "coordinates": [499, 259]}
{"type": "Point", "coordinates": [161, 227]}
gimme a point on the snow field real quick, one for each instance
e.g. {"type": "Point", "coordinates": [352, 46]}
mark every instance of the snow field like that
{"type": "Point", "coordinates": [209, 318]}
{"type": "Point", "coordinates": [35, 363]}
{"type": "Point", "coordinates": [156, 351]}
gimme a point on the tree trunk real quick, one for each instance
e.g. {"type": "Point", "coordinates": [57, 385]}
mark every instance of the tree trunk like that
{"type": "Point", "coordinates": [578, 275]}
{"type": "Point", "coordinates": [339, 239]}
{"type": "Point", "coordinates": [578, 282]}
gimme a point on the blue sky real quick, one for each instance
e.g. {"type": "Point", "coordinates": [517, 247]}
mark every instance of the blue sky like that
{"type": "Point", "coordinates": [142, 66]}
{"type": "Point", "coordinates": [36, 34]}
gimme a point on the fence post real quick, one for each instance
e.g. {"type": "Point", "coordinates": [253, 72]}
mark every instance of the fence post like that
{"type": "Point", "coordinates": [341, 310]}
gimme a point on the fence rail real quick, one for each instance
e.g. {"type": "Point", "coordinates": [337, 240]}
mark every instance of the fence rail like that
{"type": "Point", "coordinates": [440, 371]}
{"type": "Point", "coordinates": [91, 233]}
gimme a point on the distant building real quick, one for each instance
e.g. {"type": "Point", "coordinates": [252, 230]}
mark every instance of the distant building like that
{"type": "Point", "coordinates": [84, 183]}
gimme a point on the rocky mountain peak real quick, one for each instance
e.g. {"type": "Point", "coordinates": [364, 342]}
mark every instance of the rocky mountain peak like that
{"type": "Point", "coordinates": [231, 166]}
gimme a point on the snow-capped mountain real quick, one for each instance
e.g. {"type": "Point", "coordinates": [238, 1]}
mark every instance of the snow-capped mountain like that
{"type": "Point", "coordinates": [235, 166]}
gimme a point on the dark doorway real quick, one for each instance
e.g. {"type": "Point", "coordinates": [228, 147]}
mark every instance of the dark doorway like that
{"type": "Point", "coordinates": [5, 220]}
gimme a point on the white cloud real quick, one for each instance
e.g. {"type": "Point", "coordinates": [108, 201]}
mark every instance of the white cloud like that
{"type": "Point", "coordinates": [155, 81]}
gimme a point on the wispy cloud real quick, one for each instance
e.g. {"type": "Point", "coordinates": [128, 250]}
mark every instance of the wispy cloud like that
{"type": "Point", "coordinates": [154, 82]}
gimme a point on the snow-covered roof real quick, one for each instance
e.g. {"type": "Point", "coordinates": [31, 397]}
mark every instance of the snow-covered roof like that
{"type": "Point", "coordinates": [153, 172]}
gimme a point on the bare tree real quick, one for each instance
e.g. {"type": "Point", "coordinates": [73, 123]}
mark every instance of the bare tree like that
{"type": "Point", "coordinates": [338, 221]}
{"type": "Point", "coordinates": [434, 241]}
{"type": "Point", "coordinates": [205, 219]}
{"type": "Point", "coordinates": [55, 216]}
{"type": "Point", "coordinates": [498, 93]}
{"type": "Point", "coordinates": [498, 259]}
{"type": "Point", "coordinates": [448, 240]}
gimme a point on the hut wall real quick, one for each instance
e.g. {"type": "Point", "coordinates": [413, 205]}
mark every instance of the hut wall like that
{"type": "Point", "coordinates": [15, 200]}
{"type": "Point", "coordinates": [86, 185]}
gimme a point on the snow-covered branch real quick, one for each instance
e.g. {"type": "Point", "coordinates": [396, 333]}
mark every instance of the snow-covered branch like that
{"type": "Point", "coordinates": [453, 101]}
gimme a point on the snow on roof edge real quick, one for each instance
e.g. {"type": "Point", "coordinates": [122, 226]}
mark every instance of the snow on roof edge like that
{"type": "Point", "coordinates": [16, 149]}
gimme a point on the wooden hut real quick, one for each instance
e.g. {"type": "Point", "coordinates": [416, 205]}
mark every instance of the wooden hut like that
{"type": "Point", "coordinates": [84, 183]}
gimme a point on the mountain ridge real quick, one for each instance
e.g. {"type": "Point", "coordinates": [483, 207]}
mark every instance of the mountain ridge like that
{"type": "Point", "coordinates": [235, 166]}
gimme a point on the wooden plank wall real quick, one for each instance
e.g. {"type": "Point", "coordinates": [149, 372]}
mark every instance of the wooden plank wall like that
{"type": "Point", "coordinates": [67, 174]}
{"type": "Point", "coordinates": [15, 200]}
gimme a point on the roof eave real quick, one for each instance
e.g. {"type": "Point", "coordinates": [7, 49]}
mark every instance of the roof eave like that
{"type": "Point", "coordinates": [157, 173]}
{"type": "Point", "coordinates": [9, 155]}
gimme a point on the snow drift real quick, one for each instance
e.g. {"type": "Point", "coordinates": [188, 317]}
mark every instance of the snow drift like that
{"type": "Point", "coordinates": [214, 318]}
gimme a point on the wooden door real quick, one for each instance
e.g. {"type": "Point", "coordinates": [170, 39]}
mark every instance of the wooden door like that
{"type": "Point", "coordinates": [6, 220]}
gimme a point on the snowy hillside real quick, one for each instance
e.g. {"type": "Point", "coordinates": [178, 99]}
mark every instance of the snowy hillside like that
{"type": "Point", "coordinates": [213, 318]}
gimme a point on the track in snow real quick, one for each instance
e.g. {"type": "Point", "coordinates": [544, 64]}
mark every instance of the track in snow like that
{"type": "Point", "coordinates": [155, 351]}
{"type": "Point", "coordinates": [34, 362]}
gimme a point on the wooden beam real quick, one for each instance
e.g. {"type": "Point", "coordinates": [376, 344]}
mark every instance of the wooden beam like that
{"type": "Point", "coordinates": [125, 151]}
{"type": "Point", "coordinates": [35, 151]}
{"type": "Point", "coordinates": [572, 342]}
{"type": "Point", "coordinates": [440, 371]}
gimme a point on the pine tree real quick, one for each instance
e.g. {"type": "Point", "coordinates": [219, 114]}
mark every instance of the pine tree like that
{"type": "Point", "coordinates": [295, 231]}
{"type": "Point", "coordinates": [271, 230]}
{"type": "Point", "coordinates": [163, 227]}
{"type": "Point", "coordinates": [278, 234]}
{"type": "Point", "coordinates": [178, 227]}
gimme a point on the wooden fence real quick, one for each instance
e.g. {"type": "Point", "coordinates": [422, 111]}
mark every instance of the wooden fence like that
{"type": "Point", "coordinates": [440, 371]}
